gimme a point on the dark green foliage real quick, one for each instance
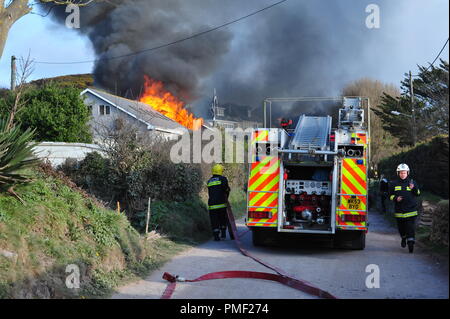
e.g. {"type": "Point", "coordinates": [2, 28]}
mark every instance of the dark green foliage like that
{"type": "Point", "coordinates": [439, 229]}
{"type": "Point", "coordinates": [186, 220]}
{"type": "Point", "coordinates": [162, 181]}
{"type": "Point", "coordinates": [430, 105]}
{"type": "Point", "coordinates": [431, 88]}
{"type": "Point", "coordinates": [58, 114]}
{"type": "Point", "coordinates": [79, 81]}
{"type": "Point", "coordinates": [16, 153]}
{"type": "Point", "coordinates": [428, 162]}
{"type": "Point", "coordinates": [93, 174]}
{"type": "Point", "coordinates": [401, 126]}
{"type": "Point", "coordinates": [59, 226]}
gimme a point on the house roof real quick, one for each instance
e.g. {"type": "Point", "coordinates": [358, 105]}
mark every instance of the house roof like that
{"type": "Point", "coordinates": [141, 111]}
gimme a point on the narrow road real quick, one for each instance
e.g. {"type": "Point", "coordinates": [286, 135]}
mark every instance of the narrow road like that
{"type": "Point", "coordinates": [340, 272]}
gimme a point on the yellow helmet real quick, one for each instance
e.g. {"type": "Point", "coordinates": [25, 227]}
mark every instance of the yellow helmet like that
{"type": "Point", "coordinates": [217, 169]}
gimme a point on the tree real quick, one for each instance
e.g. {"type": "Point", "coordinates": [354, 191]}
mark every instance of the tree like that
{"type": "Point", "coordinates": [397, 117]}
{"type": "Point", "coordinates": [431, 88]}
{"type": "Point", "coordinates": [430, 106]}
{"type": "Point", "coordinates": [382, 142]}
{"type": "Point", "coordinates": [57, 114]}
{"type": "Point", "coordinates": [16, 9]}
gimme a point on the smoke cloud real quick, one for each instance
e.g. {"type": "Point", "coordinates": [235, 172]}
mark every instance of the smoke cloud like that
{"type": "Point", "coordinates": [121, 27]}
{"type": "Point", "coordinates": [299, 48]}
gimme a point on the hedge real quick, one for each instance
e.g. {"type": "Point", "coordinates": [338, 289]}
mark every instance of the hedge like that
{"type": "Point", "coordinates": [428, 162]}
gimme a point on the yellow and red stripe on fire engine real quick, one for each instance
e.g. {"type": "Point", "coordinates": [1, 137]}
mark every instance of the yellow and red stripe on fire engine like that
{"type": "Point", "coordinates": [360, 138]}
{"type": "Point", "coordinates": [260, 136]}
{"type": "Point", "coordinates": [263, 187]}
{"type": "Point", "coordinates": [352, 209]}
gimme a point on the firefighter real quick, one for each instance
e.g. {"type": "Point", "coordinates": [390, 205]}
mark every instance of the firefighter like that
{"type": "Point", "coordinates": [218, 191]}
{"type": "Point", "coordinates": [403, 192]}
{"type": "Point", "coordinates": [384, 190]}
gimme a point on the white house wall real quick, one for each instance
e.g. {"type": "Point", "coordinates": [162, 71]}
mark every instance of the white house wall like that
{"type": "Point", "coordinates": [101, 123]}
{"type": "Point", "coordinates": [57, 152]}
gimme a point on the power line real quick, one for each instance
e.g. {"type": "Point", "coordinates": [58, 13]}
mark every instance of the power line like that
{"type": "Point", "coordinates": [43, 15]}
{"type": "Point", "coordinates": [171, 43]}
{"type": "Point", "coordinates": [439, 54]}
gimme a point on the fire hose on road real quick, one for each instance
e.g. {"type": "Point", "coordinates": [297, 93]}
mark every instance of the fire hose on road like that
{"type": "Point", "coordinates": [280, 276]}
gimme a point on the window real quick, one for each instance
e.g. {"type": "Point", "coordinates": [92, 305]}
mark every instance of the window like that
{"type": "Point", "coordinates": [220, 111]}
{"type": "Point", "coordinates": [104, 109]}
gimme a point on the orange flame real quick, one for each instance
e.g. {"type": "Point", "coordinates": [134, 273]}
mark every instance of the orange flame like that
{"type": "Point", "coordinates": [166, 103]}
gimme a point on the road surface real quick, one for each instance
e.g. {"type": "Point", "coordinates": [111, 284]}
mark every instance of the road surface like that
{"type": "Point", "coordinates": [340, 272]}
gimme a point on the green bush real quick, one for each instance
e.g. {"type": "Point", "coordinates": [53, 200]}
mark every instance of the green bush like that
{"type": "Point", "coordinates": [160, 181]}
{"type": "Point", "coordinates": [428, 162]}
{"type": "Point", "coordinates": [58, 114]}
{"type": "Point", "coordinates": [57, 226]}
{"type": "Point", "coordinates": [16, 153]}
{"type": "Point", "coordinates": [94, 174]}
{"type": "Point", "coordinates": [188, 220]}
{"type": "Point", "coordinates": [439, 229]}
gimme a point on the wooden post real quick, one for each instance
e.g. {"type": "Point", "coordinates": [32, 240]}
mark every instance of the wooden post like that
{"type": "Point", "coordinates": [13, 73]}
{"type": "Point", "coordinates": [148, 215]}
{"type": "Point", "coordinates": [118, 208]}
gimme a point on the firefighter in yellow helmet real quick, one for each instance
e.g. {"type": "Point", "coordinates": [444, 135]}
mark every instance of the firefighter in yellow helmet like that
{"type": "Point", "coordinates": [403, 192]}
{"type": "Point", "coordinates": [218, 191]}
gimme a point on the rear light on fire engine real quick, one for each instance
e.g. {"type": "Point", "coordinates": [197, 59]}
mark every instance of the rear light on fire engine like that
{"type": "Point", "coordinates": [353, 218]}
{"type": "Point", "coordinates": [259, 214]}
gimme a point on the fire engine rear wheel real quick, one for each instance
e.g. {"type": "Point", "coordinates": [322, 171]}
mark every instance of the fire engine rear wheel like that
{"type": "Point", "coordinates": [359, 243]}
{"type": "Point", "coordinates": [258, 237]}
{"type": "Point", "coordinates": [352, 239]}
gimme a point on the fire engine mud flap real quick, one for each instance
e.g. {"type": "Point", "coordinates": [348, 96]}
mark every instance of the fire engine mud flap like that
{"type": "Point", "coordinates": [264, 236]}
{"type": "Point", "coordinates": [350, 239]}
{"type": "Point", "coordinates": [280, 276]}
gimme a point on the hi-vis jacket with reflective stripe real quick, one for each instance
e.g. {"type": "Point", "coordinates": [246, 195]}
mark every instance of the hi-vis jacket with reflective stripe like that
{"type": "Point", "coordinates": [407, 207]}
{"type": "Point", "coordinates": [218, 191]}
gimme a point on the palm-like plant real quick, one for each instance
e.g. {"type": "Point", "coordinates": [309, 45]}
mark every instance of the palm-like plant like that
{"type": "Point", "coordinates": [16, 154]}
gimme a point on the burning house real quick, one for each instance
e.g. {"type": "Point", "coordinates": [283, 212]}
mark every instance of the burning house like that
{"type": "Point", "coordinates": [109, 112]}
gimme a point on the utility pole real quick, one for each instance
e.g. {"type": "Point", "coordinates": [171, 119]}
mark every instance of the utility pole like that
{"type": "Point", "coordinates": [13, 73]}
{"type": "Point", "coordinates": [413, 111]}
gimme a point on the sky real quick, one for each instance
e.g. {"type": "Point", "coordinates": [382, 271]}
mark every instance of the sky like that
{"type": "Point", "coordinates": [411, 32]}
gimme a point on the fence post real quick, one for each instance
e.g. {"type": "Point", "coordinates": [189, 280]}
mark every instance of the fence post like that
{"type": "Point", "coordinates": [148, 215]}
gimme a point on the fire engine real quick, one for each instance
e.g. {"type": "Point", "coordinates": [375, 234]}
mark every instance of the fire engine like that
{"type": "Point", "coordinates": [311, 180]}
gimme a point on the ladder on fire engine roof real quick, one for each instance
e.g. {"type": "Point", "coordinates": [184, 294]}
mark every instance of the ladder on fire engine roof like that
{"type": "Point", "coordinates": [311, 133]}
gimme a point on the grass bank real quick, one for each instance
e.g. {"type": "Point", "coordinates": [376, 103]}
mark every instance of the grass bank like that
{"type": "Point", "coordinates": [60, 225]}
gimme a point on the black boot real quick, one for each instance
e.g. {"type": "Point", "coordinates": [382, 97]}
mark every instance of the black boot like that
{"type": "Point", "coordinates": [403, 242]}
{"type": "Point", "coordinates": [216, 235]}
{"type": "Point", "coordinates": [411, 246]}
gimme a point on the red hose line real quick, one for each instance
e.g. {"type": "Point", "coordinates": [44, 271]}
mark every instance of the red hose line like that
{"type": "Point", "coordinates": [280, 276]}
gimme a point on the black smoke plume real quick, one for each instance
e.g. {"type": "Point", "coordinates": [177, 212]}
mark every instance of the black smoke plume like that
{"type": "Point", "coordinates": [299, 48]}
